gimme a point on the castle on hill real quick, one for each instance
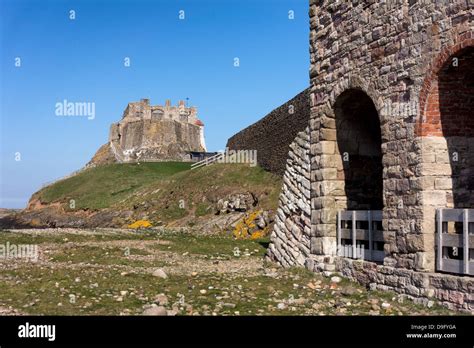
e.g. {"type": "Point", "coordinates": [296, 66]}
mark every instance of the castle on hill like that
{"type": "Point", "coordinates": [143, 110]}
{"type": "Point", "coordinates": [154, 133]}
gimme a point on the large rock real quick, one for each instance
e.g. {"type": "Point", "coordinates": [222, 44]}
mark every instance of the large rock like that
{"type": "Point", "coordinates": [238, 202]}
{"type": "Point", "coordinates": [158, 310]}
{"type": "Point", "coordinates": [160, 273]}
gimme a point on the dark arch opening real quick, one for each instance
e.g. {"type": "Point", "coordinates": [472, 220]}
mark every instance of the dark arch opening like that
{"type": "Point", "coordinates": [455, 97]}
{"type": "Point", "coordinates": [359, 143]}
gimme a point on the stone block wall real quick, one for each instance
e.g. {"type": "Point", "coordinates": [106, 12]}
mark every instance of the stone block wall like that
{"type": "Point", "coordinates": [273, 134]}
{"type": "Point", "coordinates": [290, 238]}
{"type": "Point", "coordinates": [451, 291]}
{"type": "Point", "coordinates": [397, 54]}
{"type": "Point", "coordinates": [154, 140]}
{"type": "Point", "coordinates": [386, 50]}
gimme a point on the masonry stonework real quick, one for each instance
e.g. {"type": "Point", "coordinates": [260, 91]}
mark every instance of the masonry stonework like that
{"type": "Point", "coordinates": [292, 228]}
{"type": "Point", "coordinates": [153, 133]}
{"type": "Point", "coordinates": [273, 134]}
{"type": "Point", "coordinates": [391, 129]}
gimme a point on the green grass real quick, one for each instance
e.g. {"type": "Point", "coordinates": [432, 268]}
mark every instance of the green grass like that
{"type": "Point", "coordinates": [94, 274]}
{"type": "Point", "coordinates": [105, 255]}
{"type": "Point", "coordinates": [212, 245]}
{"type": "Point", "coordinates": [54, 286]}
{"type": "Point", "coordinates": [95, 293]}
{"type": "Point", "coordinates": [203, 209]}
{"type": "Point", "coordinates": [172, 211]}
{"type": "Point", "coordinates": [103, 186]}
{"type": "Point", "coordinates": [38, 238]}
{"type": "Point", "coordinates": [159, 190]}
{"type": "Point", "coordinates": [201, 187]}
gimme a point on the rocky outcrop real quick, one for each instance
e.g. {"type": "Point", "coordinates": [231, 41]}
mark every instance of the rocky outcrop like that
{"type": "Point", "coordinates": [103, 156]}
{"type": "Point", "coordinates": [254, 225]}
{"type": "Point", "coordinates": [239, 202]}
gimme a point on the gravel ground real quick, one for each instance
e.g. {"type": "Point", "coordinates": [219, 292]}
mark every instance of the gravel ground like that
{"type": "Point", "coordinates": [158, 272]}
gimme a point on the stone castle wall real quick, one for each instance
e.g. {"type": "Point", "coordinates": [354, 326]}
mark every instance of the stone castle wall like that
{"type": "Point", "coordinates": [153, 133]}
{"type": "Point", "coordinates": [273, 134]}
{"type": "Point", "coordinates": [151, 139]}
{"type": "Point", "coordinates": [143, 110]}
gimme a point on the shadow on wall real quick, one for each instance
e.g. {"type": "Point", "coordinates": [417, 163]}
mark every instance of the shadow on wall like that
{"type": "Point", "coordinates": [359, 145]}
{"type": "Point", "coordinates": [456, 111]}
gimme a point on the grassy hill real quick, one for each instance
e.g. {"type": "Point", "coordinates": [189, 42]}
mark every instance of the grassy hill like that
{"type": "Point", "coordinates": [103, 186]}
{"type": "Point", "coordinates": [165, 191]}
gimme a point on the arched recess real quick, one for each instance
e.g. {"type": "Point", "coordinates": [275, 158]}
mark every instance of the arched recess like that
{"type": "Point", "coordinates": [455, 101]}
{"type": "Point", "coordinates": [358, 143]}
{"type": "Point", "coordinates": [347, 165]}
{"type": "Point", "coordinates": [447, 127]}
{"type": "Point", "coordinates": [462, 42]}
{"type": "Point", "coordinates": [446, 130]}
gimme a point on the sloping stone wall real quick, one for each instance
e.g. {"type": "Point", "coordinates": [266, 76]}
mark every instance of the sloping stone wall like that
{"type": "Point", "coordinates": [290, 239]}
{"type": "Point", "coordinates": [272, 135]}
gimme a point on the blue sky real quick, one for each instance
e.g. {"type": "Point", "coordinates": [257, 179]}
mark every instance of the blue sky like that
{"type": "Point", "coordinates": [82, 60]}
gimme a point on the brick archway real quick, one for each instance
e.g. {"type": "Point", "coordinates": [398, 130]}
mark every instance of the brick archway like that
{"type": "Point", "coordinates": [354, 82]}
{"type": "Point", "coordinates": [426, 126]}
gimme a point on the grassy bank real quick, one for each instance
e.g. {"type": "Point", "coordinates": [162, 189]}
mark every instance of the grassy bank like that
{"type": "Point", "coordinates": [165, 191]}
{"type": "Point", "coordinates": [103, 186]}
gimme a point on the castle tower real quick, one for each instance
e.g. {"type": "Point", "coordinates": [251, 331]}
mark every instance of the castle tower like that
{"type": "Point", "coordinates": [192, 114]}
{"type": "Point", "coordinates": [182, 112]}
{"type": "Point", "coordinates": [146, 109]}
{"type": "Point", "coordinates": [167, 109]}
